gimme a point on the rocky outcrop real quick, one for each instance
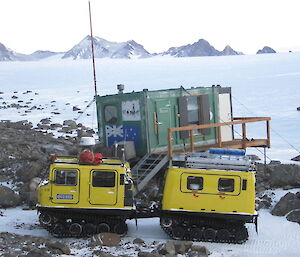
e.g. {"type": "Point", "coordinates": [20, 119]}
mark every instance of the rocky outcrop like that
{"type": "Point", "coordinates": [286, 204]}
{"type": "Point", "coordinates": [229, 51]}
{"type": "Point", "coordinates": [277, 175]}
{"type": "Point", "coordinates": [106, 239]}
{"type": "Point", "coordinates": [266, 50]}
{"type": "Point", "coordinates": [8, 198]}
{"type": "Point", "coordinates": [18, 245]}
{"type": "Point", "coordinates": [294, 216]}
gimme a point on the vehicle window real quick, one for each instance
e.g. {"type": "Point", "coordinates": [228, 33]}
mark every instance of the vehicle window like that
{"type": "Point", "coordinates": [226, 185]}
{"type": "Point", "coordinates": [103, 178]}
{"type": "Point", "coordinates": [194, 183]}
{"type": "Point", "coordinates": [110, 114]}
{"type": "Point", "coordinates": [66, 177]}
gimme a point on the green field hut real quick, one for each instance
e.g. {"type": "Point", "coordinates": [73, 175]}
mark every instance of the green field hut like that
{"type": "Point", "coordinates": [143, 118]}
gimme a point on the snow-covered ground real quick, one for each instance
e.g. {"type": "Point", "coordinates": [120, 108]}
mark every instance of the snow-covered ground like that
{"type": "Point", "coordinates": [262, 85]}
{"type": "Point", "coordinates": [276, 236]}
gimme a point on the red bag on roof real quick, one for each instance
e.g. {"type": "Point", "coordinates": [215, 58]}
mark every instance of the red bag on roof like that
{"type": "Point", "coordinates": [87, 156]}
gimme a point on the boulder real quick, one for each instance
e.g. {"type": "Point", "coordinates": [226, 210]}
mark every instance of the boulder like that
{"type": "Point", "coordinates": [296, 159]}
{"type": "Point", "coordinates": [8, 198]}
{"type": "Point", "coordinates": [278, 175]}
{"type": "Point", "coordinates": [147, 254]}
{"type": "Point", "coordinates": [182, 247]}
{"type": "Point", "coordinates": [167, 248]}
{"type": "Point", "coordinates": [286, 204]}
{"type": "Point", "coordinates": [53, 148]}
{"type": "Point", "coordinates": [199, 251]}
{"type": "Point", "coordinates": [28, 171]}
{"type": "Point", "coordinates": [70, 123]}
{"type": "Point", "coordinates": [38, 253]}
{"type": "Point", "coordinates": [106, 239]}
{"type": "Point", "coordinates": [102, 253]}
{"type": "Point", "coordinates": [138, 241]}
{"type": "Point", "coordinates": [61, 247]}
{"type": "Point", "coordinates": [294, 216]}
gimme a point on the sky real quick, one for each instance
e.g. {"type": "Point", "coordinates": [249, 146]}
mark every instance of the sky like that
{"type": "Point", "coordinates": [245, 25]}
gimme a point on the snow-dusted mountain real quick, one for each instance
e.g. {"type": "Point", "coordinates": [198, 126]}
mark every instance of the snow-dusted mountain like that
{"type": "Point", "coordinates": [229, 51]}
{"type": "Point", "coordinates": [199, 48]}
{"type": "Point", "coordinates": [7, 54]}
{"type": "Point", "coordinates": [40, 54]}
{"type": "Point", "coordinates": [104, 48]}
{"type": "Point", "coordinates": [266, 50]}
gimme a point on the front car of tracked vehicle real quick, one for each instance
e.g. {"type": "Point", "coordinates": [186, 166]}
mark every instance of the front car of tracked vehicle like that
{"type": "Point", "coordinates": [82, 199]}
{"type": "Point", "coordinates": [208, 201]}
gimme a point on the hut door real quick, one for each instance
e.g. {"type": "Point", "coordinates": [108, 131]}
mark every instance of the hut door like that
{"type": "Point", "coordinates": [163, 120]}
{"type": "Point", "coordinates": [225, 116]}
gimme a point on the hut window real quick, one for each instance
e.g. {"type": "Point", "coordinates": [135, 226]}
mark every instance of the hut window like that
{"type": "Point", "coordinates": [110, 114]}
{"type": "Point", "coordinates": [193, 110]}
{"type": "Point", "coordinates": [226, 185]}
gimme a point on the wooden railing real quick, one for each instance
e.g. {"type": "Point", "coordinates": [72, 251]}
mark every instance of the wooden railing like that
{"type": "Point", "coordinates": [240, 143]}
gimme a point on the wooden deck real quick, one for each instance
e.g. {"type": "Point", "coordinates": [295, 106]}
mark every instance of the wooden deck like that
{"type": "Point", "coordinates": [241, 143]}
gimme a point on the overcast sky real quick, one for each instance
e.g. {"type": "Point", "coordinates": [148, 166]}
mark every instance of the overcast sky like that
{"type": "Point", "coordinates": [245, 25]}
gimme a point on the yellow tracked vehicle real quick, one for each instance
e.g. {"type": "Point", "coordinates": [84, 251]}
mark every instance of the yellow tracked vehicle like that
{"type": "Point", "coordinates": [81, 199]}
{"type": "Point", "coordinates": [209, 196]}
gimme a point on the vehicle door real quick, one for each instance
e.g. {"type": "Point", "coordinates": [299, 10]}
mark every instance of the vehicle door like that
{"type": "Point", "coordinates": [65, 186]}
{"type": "Point", "coordinates": [103, 187]}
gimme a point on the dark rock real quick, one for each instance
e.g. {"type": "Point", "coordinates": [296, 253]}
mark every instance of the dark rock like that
{"type": "Point", "coordinates": [106, 239]}
{"type": "Point", "coordinates": [75, 109]}
{"type": "Point", "coordinates": [29, 171]}
{"type": "Point", "coordinates": [8, 198]}
{"type": "Point", "coordinates": [102, 253]}
{"type": "Point", "coordinates": [294, 216]}
{"type": "Point", "coordinates": [182, 247]}
{"type": "Point", "coordinates": [55, 125]}
{"type": "Point", "coordinates": [298, 108]}
{"type": "Point", "coordinates": [138, 241]}
{"type": "Point", "coordinates": [147, 254]}
{"type": "Point", "coordinates": [53, 148]}
{"type": "Point", "coordinates": [70, 123]}
{"type": "Point", "coordinates": [286, 204]}
{"type": "Point", "coordinates": [55, 245]}
{"type": "Point", "coordinates": [278, 175]}
{"type": "Point", "coordinates": [297, 158]}
{"type": "Point", "coordinates": [167, 248]}
{"type": "Point", "coordinates": [38, 253]}
{"type": "Point", "coordinates": [201, 250]}
{"type": "Point", "coordinates": [253, 157]}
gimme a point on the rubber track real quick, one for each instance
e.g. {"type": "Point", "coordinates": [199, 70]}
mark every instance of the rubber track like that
{"type": "Point", "coordinates": [206, 223]}
{"type": "Point", "coordinates": [79, 218]}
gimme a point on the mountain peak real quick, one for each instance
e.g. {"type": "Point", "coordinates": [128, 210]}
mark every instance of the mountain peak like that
{"type": "Point", "coordinates": [104, 48]}
{"type": "Point", "coordinates": [266, 50]}
{"type": "Point", "coordinates": [199, 48]}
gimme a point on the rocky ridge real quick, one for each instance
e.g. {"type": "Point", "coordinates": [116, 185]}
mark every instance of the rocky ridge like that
{"type": "Point", "coordinates": [266, 50]}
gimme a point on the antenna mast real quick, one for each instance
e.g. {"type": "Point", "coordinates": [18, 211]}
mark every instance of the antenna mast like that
{"type": "Point", "coordinates": [93, 55]}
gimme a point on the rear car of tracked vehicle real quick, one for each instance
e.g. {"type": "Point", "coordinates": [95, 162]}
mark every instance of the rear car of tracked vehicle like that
{"type": "Point", "coordinates": [81, 199]}
{"type": "Point", "coordinates": [209, 196]}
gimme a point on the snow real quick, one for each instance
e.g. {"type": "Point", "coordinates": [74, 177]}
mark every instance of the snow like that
{"type": "Point", "coordinates": [262, 85]}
